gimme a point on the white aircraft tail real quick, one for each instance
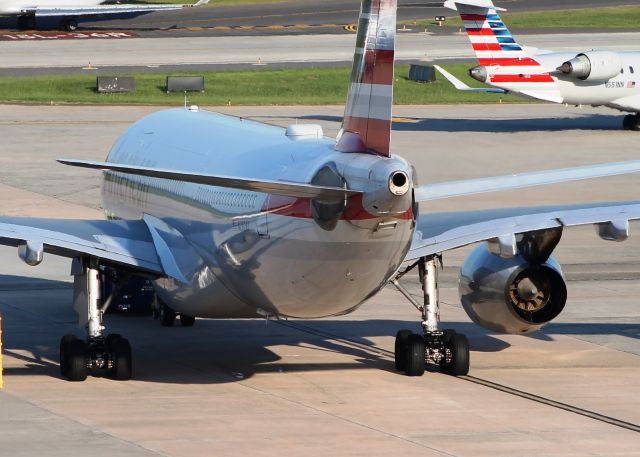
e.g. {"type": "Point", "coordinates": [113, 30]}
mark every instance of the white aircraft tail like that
{"type": "Point", "coordinates": [503, 61]}
{"type": "Point", "coordinates": [366, 126]}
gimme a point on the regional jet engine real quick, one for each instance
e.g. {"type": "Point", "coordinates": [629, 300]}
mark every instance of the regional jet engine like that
{"type": "Point", "coordinates": [593, 66]}
{"type": "Point", "coordinates": [511, 294]}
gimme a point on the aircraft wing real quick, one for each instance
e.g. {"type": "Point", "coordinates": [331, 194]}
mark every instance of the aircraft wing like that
{"type": "Point", "coordinates": [123, 242]}
{"type": "Point", "coordinates": [438, 232]}
{"type": "Point", "coordinates": [108, 9]}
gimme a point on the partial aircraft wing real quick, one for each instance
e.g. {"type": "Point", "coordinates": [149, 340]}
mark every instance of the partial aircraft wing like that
{"type": "Point", "coordinates": [125, 242]}
{"type": "Point", "coordinates": [438, 232]}
{"type": "Point", "coordinates": [450, 189]}
{"type": "Point", "coordinates": [108, 9]}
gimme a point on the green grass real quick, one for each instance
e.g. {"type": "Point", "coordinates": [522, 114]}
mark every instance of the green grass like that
{"type": "Point", "coordinates": [282, 86]}
{"type": "Point", "coordinates": [597, 18]}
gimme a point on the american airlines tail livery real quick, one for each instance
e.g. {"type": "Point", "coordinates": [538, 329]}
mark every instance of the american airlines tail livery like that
{"type": "Point", "coordinates": [233, 218]}
{"type": "Point", "coordinates": [28, 11]}
{"type": "Point", "coordinates": [589, 77]}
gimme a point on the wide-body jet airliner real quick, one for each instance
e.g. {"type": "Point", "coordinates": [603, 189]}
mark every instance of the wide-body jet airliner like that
{"type": "Point", "coordinates": [587, 77]}
{"type": "Point", "coordinates": [233, 218]}
{"type": "Point", "coordinates": [68, 11]}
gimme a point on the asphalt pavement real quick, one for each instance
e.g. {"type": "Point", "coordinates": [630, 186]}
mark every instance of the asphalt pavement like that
{"type": "Point", "coordinates": [293, 17]}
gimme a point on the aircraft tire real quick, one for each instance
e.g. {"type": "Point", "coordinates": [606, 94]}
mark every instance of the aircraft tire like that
{"type": "Point", "coordinates": [402, 338]}
{"type": "Point", "coordinates": [76, 360]}
{"type": "Point", "coordinates": [187, 321]}
{"type": "Point", "coordinates": [414, 361]}
{"type": "Point", "coordinates": [69, 24]}
{"type": "Point", "coordinates": [120, 353]}
{"type": "Point", "coordinates": [459, 346]}
{"type": "Point", "coordinates": [64, 344]}
{"type": "Point", "coordinates": [22, 22]}
{"type": "Point", "coordinates": [166, 315]}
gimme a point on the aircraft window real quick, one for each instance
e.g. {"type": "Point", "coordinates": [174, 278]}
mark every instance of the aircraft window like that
{"type": "Point", "coordinates": [622, 71]}
{"type": "Point", "coordinates": [631, 70]}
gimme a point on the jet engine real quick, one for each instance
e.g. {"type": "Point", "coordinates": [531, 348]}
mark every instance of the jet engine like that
{"type": "Point", "coordinates": [593, 66]}
{"type": "Point", "coordinates": [511, 294]}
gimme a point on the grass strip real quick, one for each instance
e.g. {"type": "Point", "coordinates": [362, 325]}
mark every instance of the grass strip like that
{"type": "Point", "coordinates": [265, 86]}
{"type": "Point", "coordinates": [609, 17]}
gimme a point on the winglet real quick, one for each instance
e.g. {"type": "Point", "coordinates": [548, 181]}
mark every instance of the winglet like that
{"type": "Point", "coordinates": [368, 109]}
{"type": "Point", "coordinates": [462, 86]}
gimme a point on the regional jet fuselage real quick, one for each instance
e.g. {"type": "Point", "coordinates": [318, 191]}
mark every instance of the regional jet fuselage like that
{"type": "Point", "coordinates": [588, 77]}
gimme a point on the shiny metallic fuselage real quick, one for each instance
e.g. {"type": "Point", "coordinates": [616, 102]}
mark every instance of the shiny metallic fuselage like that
{"type": "Point", "coordinates": [242, 252]}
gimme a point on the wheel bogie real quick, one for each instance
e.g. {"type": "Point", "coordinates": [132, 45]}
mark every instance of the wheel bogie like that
{"type": "Point", "coordinates": [166, 315]}
{"type": "Point", "coordinates": [187, 321]}
{"type": "Point", "coordinates": [69, 24]}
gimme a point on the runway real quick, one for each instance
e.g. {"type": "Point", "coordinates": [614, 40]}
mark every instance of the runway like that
{"type": "Point", "coordinates": [328, 387]}
{"type": "Point", "coordinates": [307, 49]}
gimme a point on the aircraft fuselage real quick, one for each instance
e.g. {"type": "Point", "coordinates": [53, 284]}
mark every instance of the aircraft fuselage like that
{"type": "Point", "coordinates": [243, 252]}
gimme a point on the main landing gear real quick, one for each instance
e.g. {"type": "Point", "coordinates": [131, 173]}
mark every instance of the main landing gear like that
{"type": "Point", "coordinates": [445, 348]}
{"type": "Point", "coordinates": [167, 315]}
{"type": "Point", "coordinates": [68, 24]}
{"type": "Point", "coordinates": [26, 21]}
{"type": "Point", "coordinates": [631, 122]}
{"type": "Point", "coordinates": [110, 354]}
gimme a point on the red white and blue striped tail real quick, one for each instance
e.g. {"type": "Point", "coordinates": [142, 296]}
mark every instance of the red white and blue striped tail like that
{"type": "Point", "coordinates": [508, 64]}
{"type": "Point", "coordinates": [366, 126]}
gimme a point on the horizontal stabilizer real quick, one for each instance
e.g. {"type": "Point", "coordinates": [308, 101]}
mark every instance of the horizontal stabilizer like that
{"type": "Point", "coordinates": [537, 178]}
{"type": "Point", "coordinates": [291, 189]}
{"type": "Point", "coordinates": [462, 86]}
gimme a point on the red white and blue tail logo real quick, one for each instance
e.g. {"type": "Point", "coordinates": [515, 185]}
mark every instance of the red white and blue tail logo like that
{"type": "Point", "coordinates": [507, 64]}
{"type": "Point", "coordinates": [366, 126]}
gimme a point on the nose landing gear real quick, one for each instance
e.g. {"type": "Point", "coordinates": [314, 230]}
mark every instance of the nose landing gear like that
{"type": "Point", "coordinates": [631, 122]}
{"type": "Point", "coordinates": [445, 348]}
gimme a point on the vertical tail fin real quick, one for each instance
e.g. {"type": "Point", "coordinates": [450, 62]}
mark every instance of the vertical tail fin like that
{"type": "Point", "coordinates": [503, 62]}
{"type": "Point", "coordinates": [366, 126]}
{"type": "Point", "coordinates": [490, 38]}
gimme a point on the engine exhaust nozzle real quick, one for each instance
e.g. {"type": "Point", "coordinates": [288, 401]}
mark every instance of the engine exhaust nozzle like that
{"type": "Point", "coordinates": [479, 73]}
{"type": "Point", "coordinates": [398, 183]}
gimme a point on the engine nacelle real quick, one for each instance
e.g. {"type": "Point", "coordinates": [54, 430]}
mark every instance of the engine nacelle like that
{"type": "Point", "coordinates": [510, 295]}
{"type": "Point", "coordinates": [593, 66]}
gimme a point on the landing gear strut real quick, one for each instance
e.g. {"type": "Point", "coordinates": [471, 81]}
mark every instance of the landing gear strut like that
{"type": "Point", "coordinates": [110, 354]}
{"type": "Point", "coordinates": [445, 348]}
{"type": "Point", "coordinates": [631, 122]}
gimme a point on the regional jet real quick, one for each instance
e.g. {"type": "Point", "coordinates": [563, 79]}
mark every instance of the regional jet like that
{"type": "Point", "coordinates": [68, 11]}
{"type": "Point", "coordinates": [233, 218]}
{"type": "Point", "coordinates": [589, 77]}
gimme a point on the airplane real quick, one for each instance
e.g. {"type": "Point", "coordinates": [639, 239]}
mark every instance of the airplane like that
{"type": "Point", "coordinates": [588, 77]}
{"type": "Point", "coordinates": [233, 218]}
{"type": "Point", "coordinates": [69, 11]}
